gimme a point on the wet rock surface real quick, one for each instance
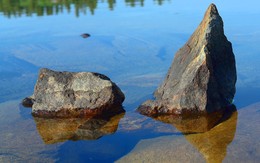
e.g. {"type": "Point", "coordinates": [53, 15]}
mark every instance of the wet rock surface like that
{"type": "Point", "coordinates": [71, 94]}
{"type": "Point", "coordinates": [202, 76]}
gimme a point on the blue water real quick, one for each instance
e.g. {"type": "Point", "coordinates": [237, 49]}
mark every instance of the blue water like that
{"type": "Point", "coordinates": [133, 45]}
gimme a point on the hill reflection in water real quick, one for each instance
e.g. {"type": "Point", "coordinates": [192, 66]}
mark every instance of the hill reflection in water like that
{"type": "Point", "coordinates": [53, 7]}
{"type": "Point", "coordinates": [60, 130]}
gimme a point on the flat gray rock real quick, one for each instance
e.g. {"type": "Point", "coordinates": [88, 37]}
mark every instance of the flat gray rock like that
{"type": "Point", "coordinates": [71, 94]}
{"type": "Point", "coordinates": [202, 76]}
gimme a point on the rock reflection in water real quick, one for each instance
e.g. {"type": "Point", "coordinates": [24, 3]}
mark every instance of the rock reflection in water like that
{"type": "Point", "coordinates": [214, 132]}
{"type": "Point", "coordinates": [212, 145]}
{"type": "Point", "coordinates": [197, 123]}
{"type": "Point", "coordinates": [59, 130]}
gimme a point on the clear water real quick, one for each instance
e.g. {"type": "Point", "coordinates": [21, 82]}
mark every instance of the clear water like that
{"type": "Point", "coordinates": [132, 42]}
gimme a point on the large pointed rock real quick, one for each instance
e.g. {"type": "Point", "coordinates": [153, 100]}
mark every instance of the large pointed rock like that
{"type": "Point", "coordinates": [202, 76]}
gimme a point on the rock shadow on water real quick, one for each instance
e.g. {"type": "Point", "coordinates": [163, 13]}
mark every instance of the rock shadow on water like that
{"type": "Point", "coordinates": [55, 130]}
{"type": "Point", "coordinates": [210, 146]}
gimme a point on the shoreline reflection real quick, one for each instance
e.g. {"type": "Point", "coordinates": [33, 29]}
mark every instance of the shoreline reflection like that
{"type": "Point", "coordinates": [17, 8]}
{"type": "Point", "coordinates": [59, 130]}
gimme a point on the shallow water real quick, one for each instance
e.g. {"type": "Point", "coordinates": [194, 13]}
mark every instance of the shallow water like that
{"type": "Point", "coordinates": [132, 42]}
{"type": "Point", "coordinates": [233, 140]}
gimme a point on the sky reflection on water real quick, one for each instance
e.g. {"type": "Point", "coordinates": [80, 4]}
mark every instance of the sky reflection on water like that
{"type": "Point", "coordinates": [134, 46]}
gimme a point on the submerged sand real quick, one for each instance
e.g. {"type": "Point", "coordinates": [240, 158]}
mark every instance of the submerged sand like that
{"type": "Point", "coordinates": [234, 140]}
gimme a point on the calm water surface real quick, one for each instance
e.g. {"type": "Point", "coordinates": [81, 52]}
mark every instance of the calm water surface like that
{"type": "Point", "coordinates": [133, 42]}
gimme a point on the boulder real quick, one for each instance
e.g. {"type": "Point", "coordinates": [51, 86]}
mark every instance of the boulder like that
{"type": "Point", "coordinates": [71, 94]}
{"type": "Point", "coordinates": [202, 76]}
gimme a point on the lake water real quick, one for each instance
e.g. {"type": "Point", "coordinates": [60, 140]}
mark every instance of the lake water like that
{"type": "Point", "coordinates": [133, 42]}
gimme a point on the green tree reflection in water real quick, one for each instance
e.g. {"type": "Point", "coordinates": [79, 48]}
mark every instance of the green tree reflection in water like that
{"type": "Point", "coordinates": [18, 8]}
{"type": "Point", "coordinates": [160, 2]}
{"type": "Point", "coordinates": [45, 7]}
{"type": "Point", "coordinates": [111, 4]}
{"type": "Point", "coordinates": [133, 3]}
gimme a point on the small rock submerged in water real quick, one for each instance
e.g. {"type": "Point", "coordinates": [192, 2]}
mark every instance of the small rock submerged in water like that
{"type": "Point", "coordinates": [202, 76]}
{"type": "Point", "coordinates": [71, 94]}
{"type": "Point", "coordinates": [28, 102]}
{"type": "Point", "coordinates": [85, 35]}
